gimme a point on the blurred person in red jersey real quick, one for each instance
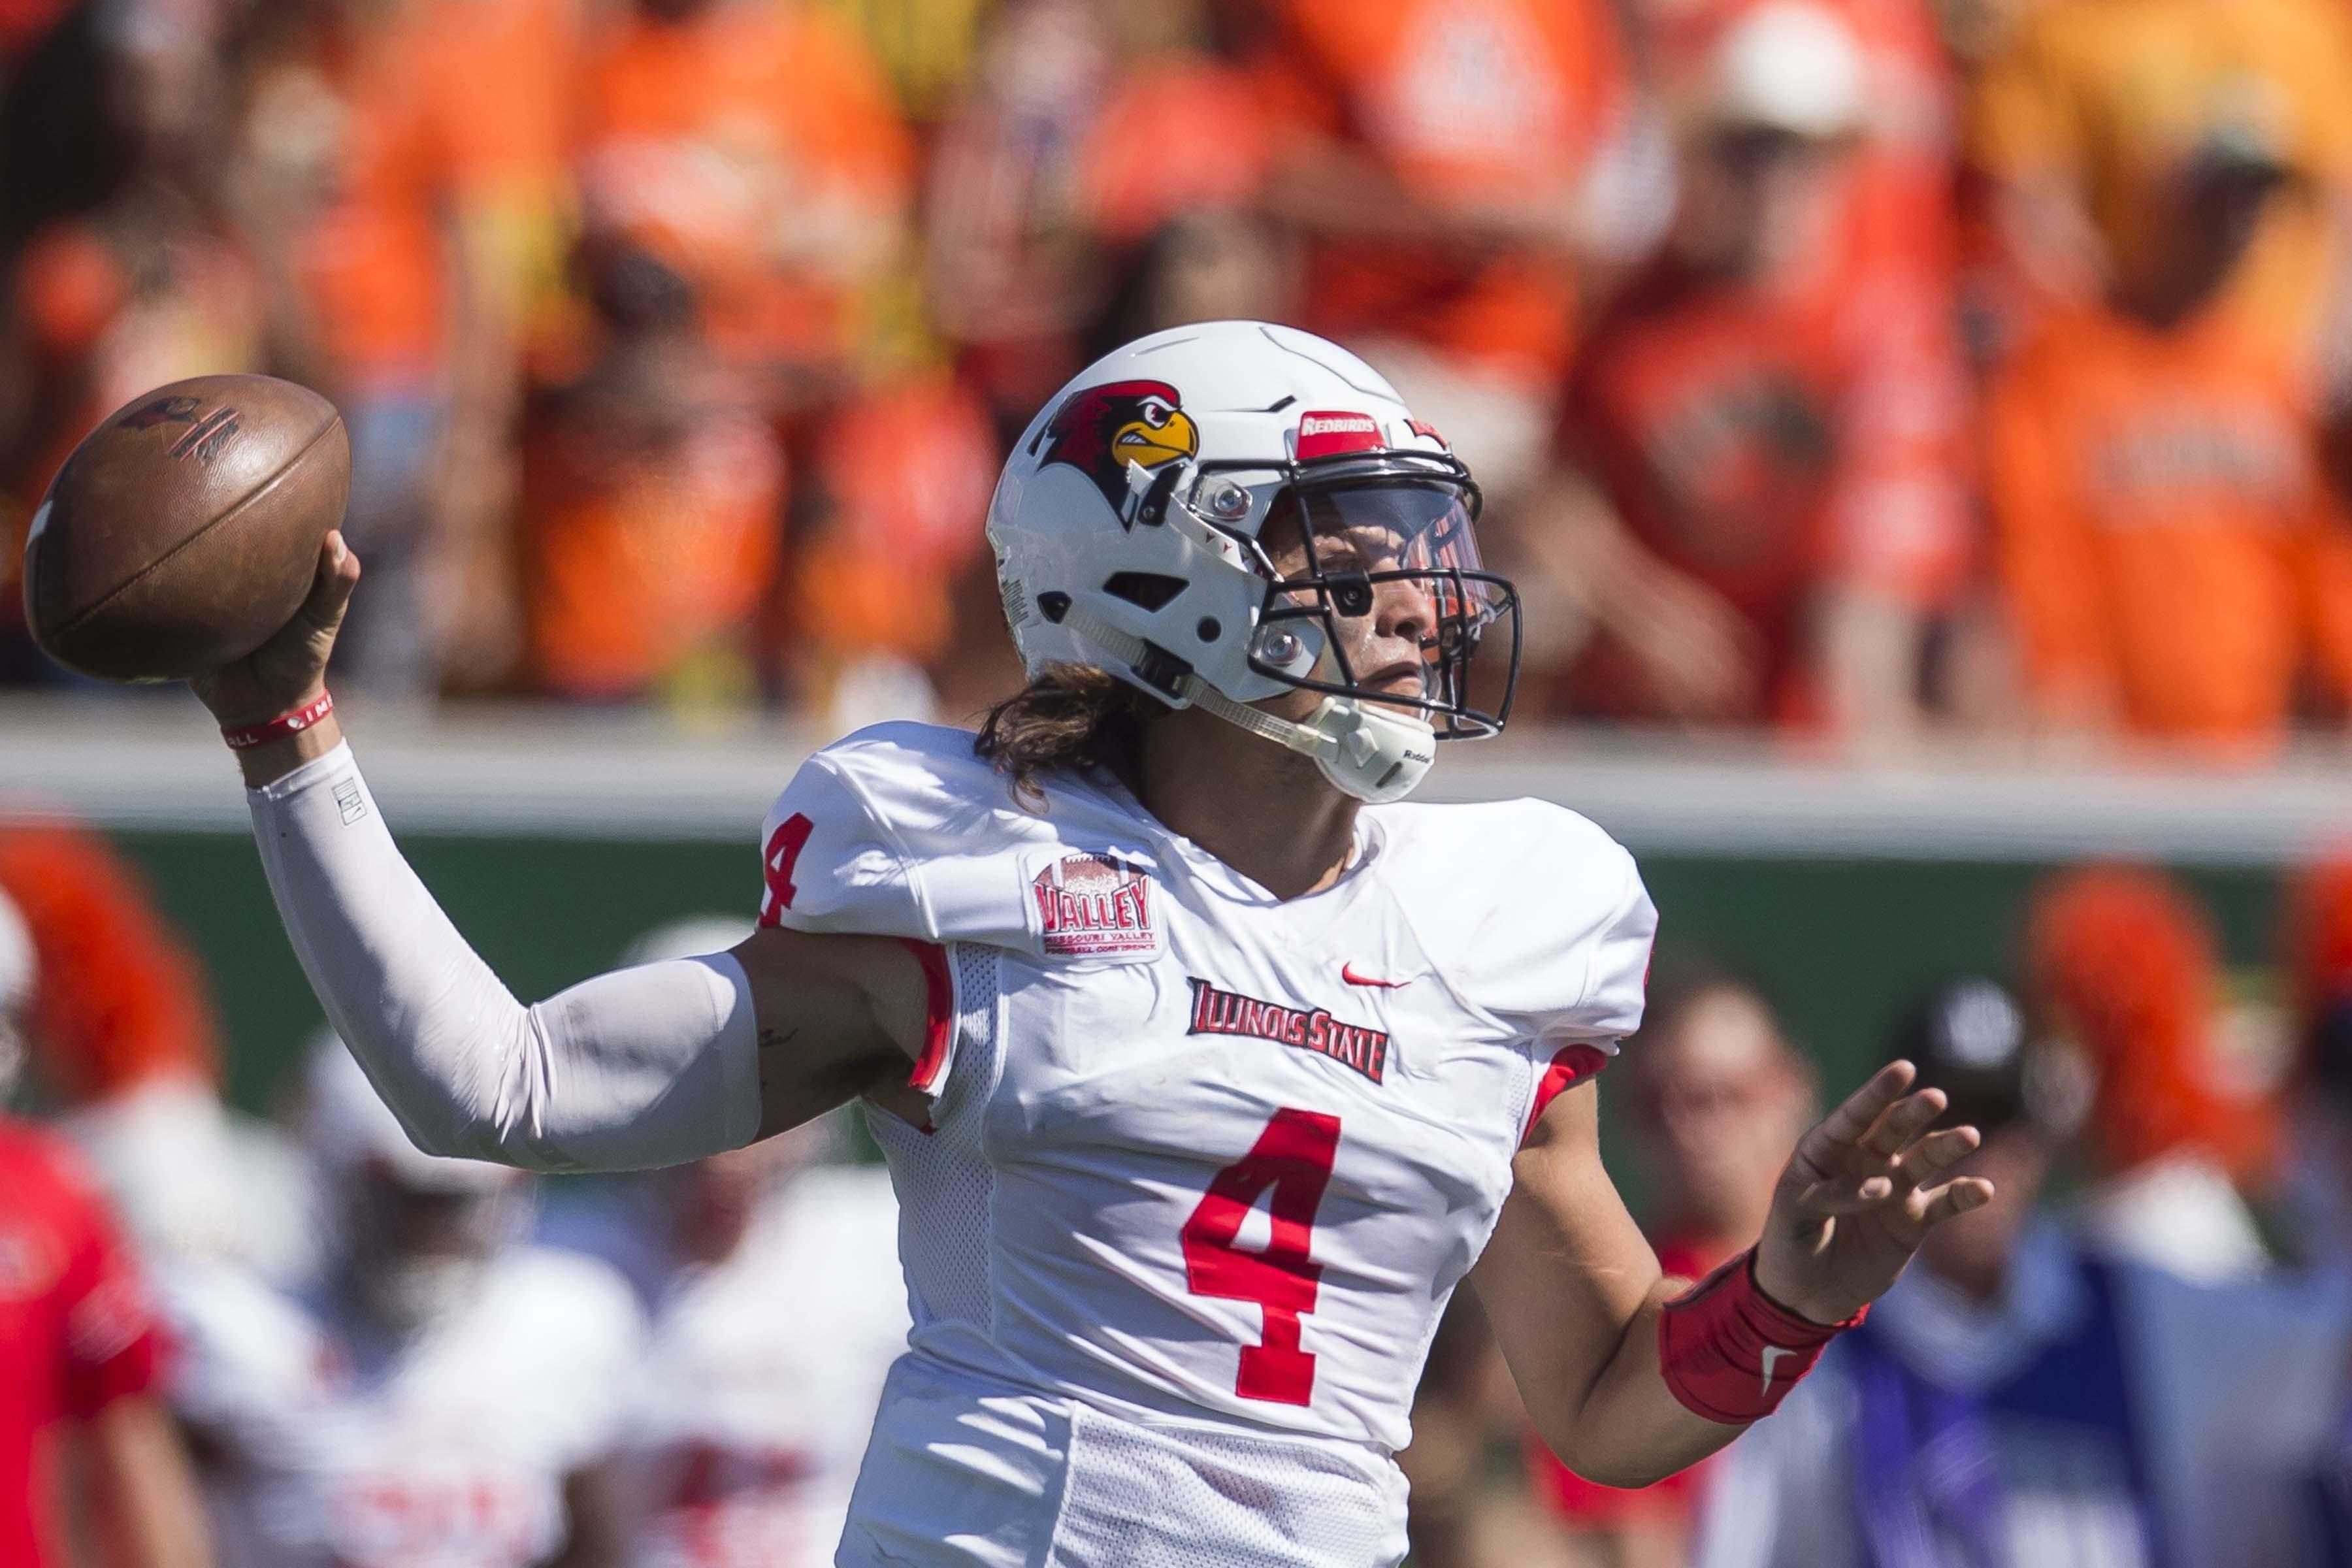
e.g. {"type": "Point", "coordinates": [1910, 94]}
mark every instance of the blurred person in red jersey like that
{"type": "Point", "coordinates": [1765, 500]}
{"type": "Point", "coordinates": [1459, 167]}
{"type": "Point", "coordinates": [401, 172]}
{"type": "Point", "coordinates": [90, 1468]}
{"type": "Point", "coordinates": [2025, 1396]}
{"type": "Point", "coordinates": [1717, 1100]}
{"type": "Point", "coordinates": [124, 1038]}
{"type": "Point", "coordinates": [436, 1392]}
{"type": "Point", "coordinates": [2085, 116]}
{"type": "Point", "coordinates": [137, 278]}
{"type": "Point", "coordinates": [2173, 558]}
{"type": "Point", "coordinates": [1083, 131]}
{"type": "Point", "coordinates": [2123, 980]}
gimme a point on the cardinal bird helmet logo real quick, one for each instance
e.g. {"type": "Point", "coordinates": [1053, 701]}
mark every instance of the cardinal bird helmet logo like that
{"type": "Point", "coordinates": [1099, 430]}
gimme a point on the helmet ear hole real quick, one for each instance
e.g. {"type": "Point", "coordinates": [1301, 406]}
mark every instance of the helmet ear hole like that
{"type": "Point", "coordinates": [1151, 590]}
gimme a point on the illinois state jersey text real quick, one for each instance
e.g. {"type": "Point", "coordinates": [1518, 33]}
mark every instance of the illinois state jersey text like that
{"type": "Point", "coordinates": [1216, 1012]}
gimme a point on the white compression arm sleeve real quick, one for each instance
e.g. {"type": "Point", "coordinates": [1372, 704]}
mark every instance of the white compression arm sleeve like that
{"type": "Point", "coordinates": [652, 1066]}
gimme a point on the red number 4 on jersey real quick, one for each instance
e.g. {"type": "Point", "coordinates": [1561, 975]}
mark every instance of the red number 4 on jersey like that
{"type": "Point", "coordinates": [784, 847]}
{"type": "Point", "coordinates": [1294, 1157]}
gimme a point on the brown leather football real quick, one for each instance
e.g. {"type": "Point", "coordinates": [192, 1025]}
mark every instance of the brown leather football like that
{"type": "Point", "coordinates": [184, 529]}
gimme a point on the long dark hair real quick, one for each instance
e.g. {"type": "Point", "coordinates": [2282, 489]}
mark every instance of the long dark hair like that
{"type": "Point", "coordinates": [1069, 719]}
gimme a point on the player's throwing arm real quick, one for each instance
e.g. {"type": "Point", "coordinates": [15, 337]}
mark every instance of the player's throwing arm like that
{"type": "Point", "coordinates": [191, 537]}
{"type": "Point", "coordinates": [651, 1066]}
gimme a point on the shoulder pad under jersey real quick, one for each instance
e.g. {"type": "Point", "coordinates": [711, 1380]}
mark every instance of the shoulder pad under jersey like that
{"type": "Point", "coordinates": [900, 830]}
{"type": "Point", "coordinates": [1533, 913]}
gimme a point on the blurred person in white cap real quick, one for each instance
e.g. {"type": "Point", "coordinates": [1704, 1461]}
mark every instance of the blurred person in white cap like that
{"type": "Point", "coordinates": [91, 1470]}
{"type": "Point", "coordinates": [1760, 502]}
{"type": "Point", "coordinates": [772, 1278]}
{"type": "Point", "coordinates": [2024, 1398]}
{"type": "Point", "coordinates": [439, 1393]}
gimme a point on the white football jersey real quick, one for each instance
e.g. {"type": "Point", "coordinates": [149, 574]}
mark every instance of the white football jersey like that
{"type": "Point", "coordinates": [1203, 1165]}
{"type": "Point", "coordinates": [742, 1442]}
{"type": "Point", "coordinates": [450, 1451]}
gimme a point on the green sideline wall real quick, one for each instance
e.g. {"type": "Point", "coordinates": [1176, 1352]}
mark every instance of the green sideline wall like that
{"type": "Point", "coordinates": [1840, 945]}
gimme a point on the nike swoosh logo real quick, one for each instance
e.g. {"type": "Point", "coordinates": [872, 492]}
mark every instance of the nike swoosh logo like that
{"type": "Point", "coordinates": [1772, 1354]}
{"type": "Point", "coordinates": [1347, 972]}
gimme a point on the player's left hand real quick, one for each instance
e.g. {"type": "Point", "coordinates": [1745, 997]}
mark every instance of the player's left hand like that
{"type": "Point", "coordinates": [1862, 1189]}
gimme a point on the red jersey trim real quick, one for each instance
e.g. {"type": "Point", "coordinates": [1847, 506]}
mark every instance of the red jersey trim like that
{"type": "Point", "coordinates": [1570, 1066]}
{"type": "Point", "coordinates": [939, 1023]}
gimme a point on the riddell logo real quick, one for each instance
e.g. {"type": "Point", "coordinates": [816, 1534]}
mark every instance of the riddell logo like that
{"type": "Point", "coordinates": [1216, 1012]}
{"type": "Point", "coordinates": [1093, 906]}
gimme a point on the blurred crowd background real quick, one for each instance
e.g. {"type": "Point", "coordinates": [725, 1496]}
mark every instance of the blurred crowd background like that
{"type": "Point", "coordinates": [1854, 368]}
{"type": "Point", "coordinates": [1867, 373]}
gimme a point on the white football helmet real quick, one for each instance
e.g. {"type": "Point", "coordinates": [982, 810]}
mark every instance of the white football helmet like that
{"type": "Point", "coordinates": [1136, 524]}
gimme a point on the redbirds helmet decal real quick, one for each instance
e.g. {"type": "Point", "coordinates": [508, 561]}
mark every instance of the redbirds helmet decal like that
{"type": "Point", "coordinates": [1099, 430]}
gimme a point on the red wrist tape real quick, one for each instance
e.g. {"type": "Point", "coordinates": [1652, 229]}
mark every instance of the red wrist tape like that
{"type": "Point", "coordinates": [244, 737]}
{"type": "Point", "coordinates": [1730, 1352]}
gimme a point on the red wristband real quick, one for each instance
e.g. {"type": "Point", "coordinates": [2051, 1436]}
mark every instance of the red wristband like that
{"type": "Point", "coordinates": [244, 737]}
{"type": "Point", "coordinates": [1730, 1352]}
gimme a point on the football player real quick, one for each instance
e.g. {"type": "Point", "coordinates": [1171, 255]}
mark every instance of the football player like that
{"type": "Point", "coordinates": [440, 1395]}
{"type": "Point", "coordinates": [766, 1358]}
{"type": "Point", "coordinates": [1205, 1068]}
{"type": "Point", "coordinates": [90, 1468]}
{"type": "Point", "coordinates": [741, 1439]}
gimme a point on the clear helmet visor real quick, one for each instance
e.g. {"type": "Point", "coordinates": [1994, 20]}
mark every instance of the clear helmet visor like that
{"type": "Point", "coordinates": [1371, 573]}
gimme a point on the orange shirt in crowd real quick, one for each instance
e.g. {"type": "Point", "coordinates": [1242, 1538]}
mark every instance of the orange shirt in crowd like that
{"type": "Point", "coordinates": [1471, 104]}
{"type": "Point", "coordinates": [1767, 444]}
{"type": "Point", "coordinates": [644, 548]}
{"type": "Point", "coordinates": [903, 470]}
{"type": "Point", "coordinates": [1133, 176]}
{"type": "Point", "coordinates": [2109, 95]}
{"type": "Point", "coordinates": [2172, 556]}
{"type": "Point", "coordinates": [452, 111]}
{"type": "Point", "coordinates": [756, 149]}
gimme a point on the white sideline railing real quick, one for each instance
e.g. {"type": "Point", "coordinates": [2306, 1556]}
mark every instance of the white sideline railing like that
{"type": "Point", "coordinates": [150, 762]}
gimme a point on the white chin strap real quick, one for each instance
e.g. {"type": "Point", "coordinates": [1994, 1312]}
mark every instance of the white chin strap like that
{"type": "Point", "coordinates": [1374, 753]}
{"type": "Point", "coordinates": [1365, 750]}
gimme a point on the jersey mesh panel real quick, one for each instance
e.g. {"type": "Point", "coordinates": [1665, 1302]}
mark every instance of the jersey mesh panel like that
{"type": "Point", "coordinates": [1140, 1499]}
{"type": "Point", "coordinates": [943, 1182]}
